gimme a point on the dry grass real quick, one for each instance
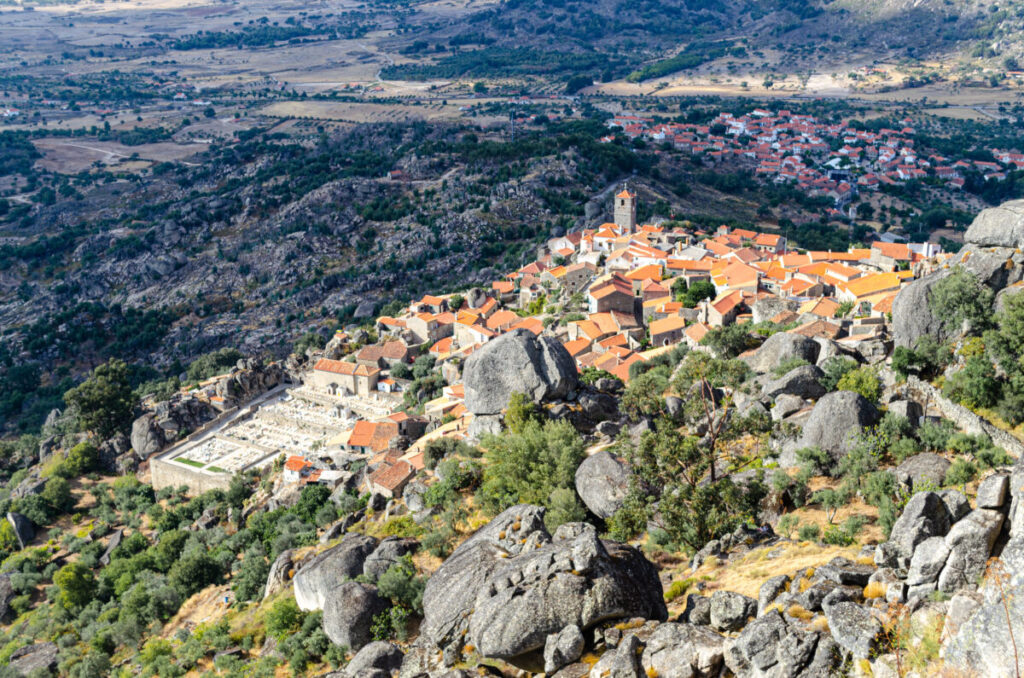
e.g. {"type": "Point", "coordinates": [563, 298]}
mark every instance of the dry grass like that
{"type": "Point", "coordinates": [875, 589]}
{"type": "Point", "coordinates": [747, 574]}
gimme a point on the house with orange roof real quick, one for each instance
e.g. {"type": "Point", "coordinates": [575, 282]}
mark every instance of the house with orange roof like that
{"type": "Point", "coordinates": [368, 437]}
{"type": "Point", "coordinates": [505, 289]}
{"type": "Point", "coordinates": [694, 334]}
{"type": "Point", "coordinates": [384, 355]}
{"type": "Point", "coordinates": [339, 377]}
{"type": "Point", "coordinates": [426, 327]}
{"type": "Point", "coordinates": [577, 347]}
{"type": "Point", "coordinates": [430, 304]}
{"type": "Point", "coordinates": [769, 242]}
{"type": "Point", "coordinates": [390, 479]}
{"type": "Point", "coordinates": [724, 309]}
{"type": "Point", "coordinates": [887, 256]}
{"type": "Point", "coordinates": [615, 293]}
{"type": "Point", "coordinates": [295, 468]}
{"type": "Point", "coordinates": [651, 290]}
{"type": "Point", "coordinates": [476, 333]}
{"type": "Point", "coordinates": [869, 288]}
{"type": "Point", "coordinates": [667, 331]}
{"type": "Point", "coordinates": [651, 272]}
{"type": "Point", "coordinates": [442, 348]}
{"type": "Point", "coordinates": [532, 324]}
{"type": "Point", "coordinates": [586, 329]}
{"type": "Point", "coordinates": [502, 320]}
{"type": "Point", "coordinates": [823, 307]}
{"type": "Point", "coordinates": [736, 276]}
{"type": "Point", "coordinates": [389, 324]}
{"type": "Point", "coordinates": [614, 341]}
{"type": "Point", "coordinates": [801, 288]}
{"type": "Point", "coordinates": [622, 369]}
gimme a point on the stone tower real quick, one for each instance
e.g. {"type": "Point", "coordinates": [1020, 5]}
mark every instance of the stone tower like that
{"type": "Point", "coordinates": [625, 210]}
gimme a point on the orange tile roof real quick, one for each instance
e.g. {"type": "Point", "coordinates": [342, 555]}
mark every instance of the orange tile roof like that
{"type": "Point", "coordinates": [577, 346]}
{"type": "Point", "coordinates": [669, 324]}
{"type": "Point", "coordinates": [297, 463]}
{"type": "Point", "coordinates": [893, 250]}
{"type": "Point", "coordinates": [649, 272]}
{"type": "Point", "coordinates": [390, 477]}
{"type": "Point", "coordinates": [873, 284]}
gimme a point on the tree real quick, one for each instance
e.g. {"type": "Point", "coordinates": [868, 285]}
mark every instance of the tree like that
{"type": "Point", "coordinates": [57, 493]}
{"type": "Point", "coordinates": [194, 572]}
{"type": "Point", "coordinates": [76, 585]}
{"type": "Point", "coordinates": [283, 618]}
{"type": "Point", "coordinates": [835, 368]}
{"type": "Point", "coordinates": [728, 341]}
{"type": "Point", "coordinates": [252, 574]}
{"type": "Point", "coordinates": [975, 385]}
{"type": "Point", "coordinates": [863, 380]}
{"type": "Point", "coordinates": [525, 468]}
{"type": "Point", "coordinates": [645, 395]}
{"type": "Point", "coordinates": [672, 486]}
{"type": "Point", "coordinates": [81, 459]}
{"type": "Point", "coordinates": [521, 409]}
{"type": "Point", "coordinates": [309, 340]}
{"type": "Point", "coordinates": [402, 586]}
{"type": "Point", "coordinates": [104, 402]}
{"type": "Point", "coordinates": [961, 297]}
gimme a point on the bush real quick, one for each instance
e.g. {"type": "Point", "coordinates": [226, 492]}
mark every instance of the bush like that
{"type": "Point", "coordinates": [975, 385]}
{"type": "Point", "coordinates": [935, 435]}
{"type": "Point", "coordinates": [284, 617]}
{"type": "Point", "coordinates": [76, 585]}
{"type": "Point", "coordinates": [401, 585]}
{"type": "Point", "coordinates": [81, 459]}
{"type": "Point", "coordinates": [526, 468]}
{"type": "Point", "coordinates": [835, 368]}
{"type": "Point", "coordinates": [788, 365]}
{"type": "Point", "coordinates": [809, 533]}
{"type": "Point", "coordinates": [961, 472]}
{"type": "Point", "coordinates": [863, 380]}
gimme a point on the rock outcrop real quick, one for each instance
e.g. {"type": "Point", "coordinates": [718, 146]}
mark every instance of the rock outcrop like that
{"type": "Point", "coordinates": [517, 362]}
{"type": "Point", "coordinates": [835, 420]}
{"type": "Point", "coordinates": [511, 585]}
{"type": "Point", "coordinates": [602, 481]}
{"type": "Point", "coordinates": [781, 347]}
{"type": "Point", "coordinates": [348, 614]}
{"type": "Point", "coordinates": [316, 579]}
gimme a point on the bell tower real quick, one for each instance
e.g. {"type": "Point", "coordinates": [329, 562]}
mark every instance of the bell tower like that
{"type": "Point", "coordinates": [625, 210]}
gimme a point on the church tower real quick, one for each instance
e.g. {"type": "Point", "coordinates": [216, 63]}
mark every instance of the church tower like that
{"type": "Point", "coordinates": [625, 210]}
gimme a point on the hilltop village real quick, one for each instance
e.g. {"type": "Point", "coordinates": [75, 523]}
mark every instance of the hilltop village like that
{"type": "Point", "coordinates": [614, 296]}
{"type": "Point", "coordinates": [833, 160]}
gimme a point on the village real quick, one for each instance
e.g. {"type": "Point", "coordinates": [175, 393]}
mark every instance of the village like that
{"type": "Point", "coordinates": [834, 160]}
{"type": "Point", "coordinates": [613, 296]}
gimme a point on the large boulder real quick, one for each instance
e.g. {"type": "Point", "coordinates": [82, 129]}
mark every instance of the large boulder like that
{"type": "Point", "coordinates": [683, 650]}
{"type": "Point", "coordinates": [983, 639]}
{"type": "Point", "coordinates": [926, 469]}
{"type": "Point", "coordinates": [280, 572]}
{"type": "Point", "coordinates": [835, 420]}
{"type": "Point", "coordinates": [387, 554]}
{"type": "Point", "coordinates": [1001, 226]}
{"type": "Point", "coordinates": [912, 317]}
{"type": "Point", "coordinates": [855, 628]}
{"type": "Point", "coordinates": [376, 660]}
{"type": "Point", "coordinates": [37, 659]}
{"type": "Point", "coordinates": [23, 530]}
{"type": "Point", "coordinates": [349, 609]}
{"type": "Point", "coordinates": [781, 347]}
{"type": "Point", "coordinates": [803, 381]}
{"type": "Point", "coordinates": [970, 542]}
{"type": "Point", "coordinates": [602, 481]}
{"type": "Point", "coordinates": [511, 585]}
{"type": "Point", "coordinates": [517, 362]}
{"type": "Point", "coordinates": [769, 647]}
{"type": "Point", "coordinates": [329, 569]}
{"type": "Point", "coordinates": [730, 610]}
{"type": "Point", "coordinates": [925, 516]}
{"type": "Point", "coordinates": [147, 436]}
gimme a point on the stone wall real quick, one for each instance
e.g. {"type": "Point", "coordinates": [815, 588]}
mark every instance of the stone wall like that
{"type": "Point", "coordinates": [968, 421]}
{"type": "Point", "coordinates": [167, 473]}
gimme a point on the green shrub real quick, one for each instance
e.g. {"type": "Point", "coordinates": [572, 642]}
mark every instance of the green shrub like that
{"type": "Point", "coordinates": [283, 617]}
{"type": "Point", "coordinates": [809, 533]}
{"type": "Point", "coordinates": [863, 380]}
{"type": "Point", "coordinates": [961, 472]}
